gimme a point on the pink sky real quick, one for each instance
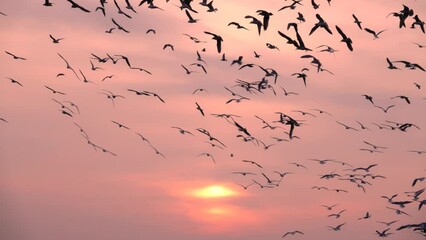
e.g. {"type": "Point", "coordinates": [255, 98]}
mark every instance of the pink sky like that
{"type": "Point", "coordinates": [53, 185]}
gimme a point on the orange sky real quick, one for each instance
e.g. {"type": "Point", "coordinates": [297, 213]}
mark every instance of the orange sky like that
{"type": "Point", "coordinates": [54, 185]}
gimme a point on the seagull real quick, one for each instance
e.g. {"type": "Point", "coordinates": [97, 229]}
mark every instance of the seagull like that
{"type": "Point", "coordinates": [14, 56]}
{"type": "Point", "coordinates": [253, 162]}
{"type": "Point", "coordinates": [186, 69]}
{"type": "Point", "coordinates": [190, 18]}
{"type": "Point", "coordinates": [120, 125]}
{"type": "Point", "coordinates": [358, 23]}
{"type": "Point", "coordinates": [292, 233]}
{"type": "Point", "coordinates": [168, 45]}
{"type": "Point", "coordinates": [337, 215]}
{"type": "Point", "coordinates": [266, 17]}
{"type": "Point", "coordinates": [208, 155]}
{"type": "Point", "coordinates": [199, 109]}
{"type": "Point", "coordinates": [239, 26]}
{"type": "Point", "coordinates": [418, 22]}
{"type": "Point", "coordinates": [383, 233]}
{"type": "Point", "coordinates": [385, 109]}
{"type": "Point", "coordinates": [120, 11]}
{"type": "Point", "coordinates": [14, 81]}
{"type": "Point", "coordinates": [54, 91]}
{"type": "Point", "coordinates": [47, 3]}
{"type": "Point", "coordinates": [55, 40]}
{"type": "Point", "coordinates": [376, 35]}
{"type": "Point", "coordinates": [257, 22]}
{"type": "Point", "coordinates": [402, 97]}
{"type": "Point", "coordinates": [367, 216]}
{"type": "Point", "coordinates": [119, 26]}
{"type": "Point", "coordinates": [218, 39]}
{"type": "Point", "coordinates": [75, 5]}
{"type": "Point", "coordinates": [329, 208]}
{"type": "Point", "coordinates": [391, 66]}
{"type": "Point", "coordinates": [336, 228]}
{"type": "Point", "coordinates": [388, 223]}
{"type": "Point", "coordinates": [345, 39]}
{"type": "Point", "coordinates": [321, 23]}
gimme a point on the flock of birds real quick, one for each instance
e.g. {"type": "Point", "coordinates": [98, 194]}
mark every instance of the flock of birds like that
{"type": "Point", "coordinates": [361, 177]}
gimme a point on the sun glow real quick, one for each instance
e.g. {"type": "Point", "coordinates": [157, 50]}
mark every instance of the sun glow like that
{"type": "Point", "coordinates": [214, 191]}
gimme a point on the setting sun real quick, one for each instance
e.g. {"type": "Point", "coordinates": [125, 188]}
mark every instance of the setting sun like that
{"type": "Point", "coordinates": [214, 191]}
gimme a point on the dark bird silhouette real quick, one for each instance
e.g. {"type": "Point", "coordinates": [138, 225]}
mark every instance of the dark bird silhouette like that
{"type": "Point", "coordinates": [402, 97]}
{"type": "Point", "coordinates": [14, 56]}
{"type": "Point", "coordinates": [266, 17]}
{"type": "Point", "coordinates": [54, 91]}
{"type": "Point", "coordinates": [168, 45]}
{"type": "Point", "coordinates": [119, 26]}
{"type": "Point", "coordinates": [292, 233]}
{"type": "Point", "coordinates": [345, 39]}
{"type": "Point", "coordinates": [218, 40]}
{"type": "Point", "coordinates": [257, 22]}
{"type": "Point", "coordinates": [47, 3]}
{"type": "Point", "coordinates": [390, 64]}
{"type": "Point", "coordinates": [385, 109]}
{"type": "Point", "coordinates": [239, 26]}
{"type": "Point", "coordinates": [121, 11]}
{"type": "Point", "coordinates": [369, 98]}
{"type": "Point", "coordinates": [14, 81]}
{"type": "Point", "coordinates": [200, 109]}
{"type": "Point", "coordinates": [55, 40]}
{"type": "Point", "coordinates": [190, 18]}
{"type": "Point", "coordinates": [321, 23]}
{"type": "Point", "coordinates": [376, 35]}
{"type": "Point", "coordinates": [412, 66]}
{"type": "Point", "coordinates": [75, 5]}
{"type": "Point", "coordinates": [358, 22]}
{"type": "Point", "coordinates": [419, 23]}
{"type": "Point", "coordinates": [120, 125]}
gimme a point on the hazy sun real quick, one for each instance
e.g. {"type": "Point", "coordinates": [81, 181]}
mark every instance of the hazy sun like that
{"type": "Point", "coordinates": [214, 191]}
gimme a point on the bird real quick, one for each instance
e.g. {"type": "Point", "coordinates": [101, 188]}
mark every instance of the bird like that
{"type": "Point", "coordinates": [3, 120]}
{"type": "Point", "coordinates": [119, 26]}
{"type": "Point", "coordinates": [376, 35]}
{"type": "Point", "coordinates": [402, 97]}
{"type": "Point", "coordinates": [388, 223]}
{"type": "Point", "coordinates": [397, 211]}
{"type": "Point", "coordinates": [336, 228]}
{"type": "Point", "coordinates": [266, 17]}
{"type": "Point", "coordinates": [346, 126]}
{"type": "Point", "coordinates": [337, 215]}
{"type": "Point", "coordinates": [186, 69]}
{"type": "Point", "coordinates": [75, 5]}
{"type": "Point", "coordinates": [412, 66]}
{"type": "Point", "coordinates": [358, 23]}
{"type": "Point", "coordinates": [419, 23]}
{"type": "Point", "coordinates": [200, 109]}
{"type": "Point", "coordinates": [239, 26]}
{"type": "Point", "coordinates": [208, 155]}
{"type": "Point", "coordinates": [54, 91]}
{"type": "Point", "coordinates": [190, 18]}
{"type": "Point", "coordinates": [168, 45]}
{"type": "Point", "coordinates": [121, 11]}
{"type": "Point", "coordinates": [383, 233]}
{"type": "Point", "coordinates": [329, 208]}
{"type": "Point", "coordinates": [120, 125]}
{"type": "Point", "coordinates": [390, 64]}
{"type": "Point", "coordinates": [421, 179]}
{"type": "Point", "coordinates": [55, 40]}
{"type": "Point", "coordinates": [218, 40]}
{"type": "Point", "coordinates": [252, 162]}
{"type": "Point", "coordinates": [321, 23]}
{"type": "Point", "coordinates": [292, 233]}
{"type": "Point", "coordinates": [385, 109]}
{"type": "Point", "coordinates": [15, 56]}
{"type": "Point", "coordinates": [256, 22]}
{"type": "Point", "coordinates": [14, 81]}
{"type": "Point", "coordinates": [151, 30]}
{"type": "Point", "coordinates": [345, 39]}
{"type": "Point", "coordinates": [47, 3]}
{"type": "Point", "coordinates": [366, 216]}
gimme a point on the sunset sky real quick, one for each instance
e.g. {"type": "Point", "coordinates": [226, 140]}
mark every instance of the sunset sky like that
{"type": "Point", "coordinates": [56, 182]}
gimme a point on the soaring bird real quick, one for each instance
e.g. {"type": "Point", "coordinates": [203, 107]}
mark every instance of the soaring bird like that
{"type": "Point", "coordinates": [218, 39]}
